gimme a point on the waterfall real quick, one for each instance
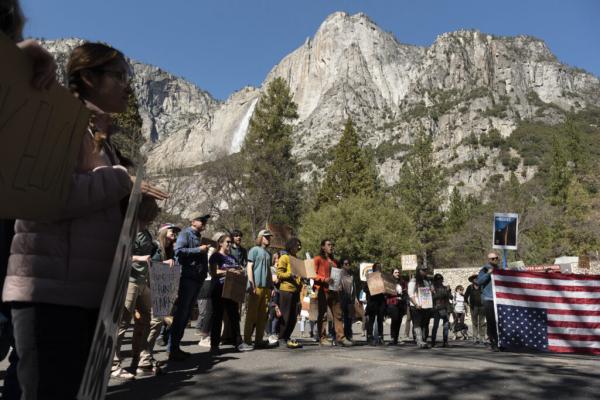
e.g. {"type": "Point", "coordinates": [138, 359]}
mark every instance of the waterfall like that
{"type": "Point", "coordinates": [240, 132]}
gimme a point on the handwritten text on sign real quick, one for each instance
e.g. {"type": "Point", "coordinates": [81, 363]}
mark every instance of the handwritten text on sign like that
{"type": "Point", "coordinates": [164, 284]}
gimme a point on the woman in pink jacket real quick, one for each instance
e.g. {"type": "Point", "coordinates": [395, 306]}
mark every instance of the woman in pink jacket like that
{"type": "Point", "coordinates": [58, 269]}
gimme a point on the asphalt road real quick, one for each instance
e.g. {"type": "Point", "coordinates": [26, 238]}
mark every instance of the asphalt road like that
{"type": "Point", "coordinates": [463, 371]}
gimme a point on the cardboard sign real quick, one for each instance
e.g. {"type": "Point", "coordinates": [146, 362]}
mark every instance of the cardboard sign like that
{"type": "Point", "coordinates": [409, 262]}
{"type": "Point", "coordinates": [164, 285]}
{"type": "Point", "coordinates": [281, 234]}
{"type": "Point", "coordinates": [505, 231]}
{"type": "Point", "coordinates": [380, 282]}
{"type": "Point", "coordinates": [336, 276]}
{"type": "Point", "coordinates": [364, 270]}
{"type": "Point", "coordinates": [303, 268]}
{"type": "Point", "coordinates": [234, 287]}
{"type": "Point", "coordinates": [97, 369]}
{"type": "Point", "coordinates": [41, 134]}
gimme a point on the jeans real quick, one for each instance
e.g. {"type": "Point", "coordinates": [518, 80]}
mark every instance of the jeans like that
{"type": "Point", "coordinates": [205, 311]}
{"type": "Point", "coordinates": [490, 316]}
{"type": "Point", "coordinates": [396, 312]}
{"type": "Point", "coordinates": [376, 310]}
{"type": "Point", "coordinates": [256, 315]}
{"type": "Point", "coordinates": [437, 316]}
{"type": "Point", "coordinates": [53, 343]}
{"type": "Point", "coordinates": [331, 301]}
{"type": "Point", "coordinates": [221, 306]}
{"type": "Point", "coordinates": [347, 316]}
{"type": "Point", "coordinates": [187, 295]}
{"type": "Point", "coordinates": [289, 313]}
{"type": "Point", "coordinates": [478, 321]}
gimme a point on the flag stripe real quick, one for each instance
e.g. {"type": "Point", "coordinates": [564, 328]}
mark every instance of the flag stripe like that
{"type": "Point", "coordinates": [573, 312]}
{"type": "Point", "coordinates": [573, 343]}
{"type": "Point", "coordinates": [573, 331]}
{"type": "Point", "coordinates": [562, 349]}
{"type": "Point", "coordinates": [566, 336]}
{"type": "Point", "coordinates": [548, 293]}
{"type": "Point", "coordinates": [575, 318]}
{"type": "Point", "coordinates": [547, 299]}
{"type": "Point", "coordinates": [571, 324]}
{"type": "Point", "coordinates": [567, 277]}
{"type": "Point", "coordinates": [541, 280]}
{"type": "Point", "coordinates": [550, 287]}
{"type": "Point", "coordinates": [537, 304]}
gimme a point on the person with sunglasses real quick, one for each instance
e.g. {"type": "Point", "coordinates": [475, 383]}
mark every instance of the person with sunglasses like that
{"type": "Point", "coordinates": [220, 263]}
{"type": "Point", "coordinates": [484, 280]}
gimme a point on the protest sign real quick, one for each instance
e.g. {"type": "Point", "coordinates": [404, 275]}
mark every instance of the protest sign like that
{"type": "Point", "coordinates": [336, 277]}
{"type": "Point", "coordinates": [364, 270]}
{"type": "Point", "coordinates": [97, 369]}
{"type": "Point", "coordinates": [281, 234]}
{"type": "Point", "coordinates": [41, 134]}
{"type": "Point", "coordinates": [505, 230]}
{"type": "Point", "coordinates": [425, 297]}
{"type": "Point", "coordinates": [566, 263]}
{"type": "Point", "coordinates": [164, 285]}
{"type": "Point", "coordinates": [234, 287]}
{"type": "Point", "coordinates": [380, 282]}
{"type": "Point", "coordinates": [302, 268]}
{"type": "Point", "coordinates": [542, 268]}
{"type": "Point", "coordinates": [409, 262]}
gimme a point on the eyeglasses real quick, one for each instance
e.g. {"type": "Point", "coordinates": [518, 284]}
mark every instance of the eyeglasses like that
{"type": "Point", "coordinates": [123, 77]}
{"type": "Point", "coordinates": [228, 242]}
{"type": "Point", "coordinates": [494, 258]}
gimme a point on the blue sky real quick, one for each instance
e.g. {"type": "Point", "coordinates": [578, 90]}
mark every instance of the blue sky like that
{"type": "Point", "coordinates": [224, 45]}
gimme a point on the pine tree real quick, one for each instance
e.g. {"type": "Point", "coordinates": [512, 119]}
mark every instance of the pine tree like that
{"type": "Point", "coordinates": [129, 137]}
{"type": "Point", "coordinates": [352, 171]}
{"type": "Point", "coordinates": [421, 188]}
{"type": "Point", "coordinates": [270, 175]}
{"type": "Point", "coordinates": [458, 212]}
{"type": "Point", "coordinates": [560, 173]}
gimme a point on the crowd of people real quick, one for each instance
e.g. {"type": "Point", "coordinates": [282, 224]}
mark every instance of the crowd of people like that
{"type": "Point", "coordinates": [55, 271]}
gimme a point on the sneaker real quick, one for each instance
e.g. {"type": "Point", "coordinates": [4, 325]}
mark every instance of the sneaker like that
{"type": "Point", "coordinates": [423, 346]}
{"type": "Point", "coordinates": [204, 342]}
{"type": "Point", "coordinates": [346, 343]}
{"type": "Point", "coordinates": [245, 347]}
{"type": "Point", "coordinates": [292, 344]}
{"type": "Point", "coordinates": [198, 332]}
{"type": "Point", "coordinates": [146, 370]}
{"type": "Point", "coordinates": [265, 344]}
{"type": "Point", "coordinates": [122, 374]}
{"type": "Point", "coordinates": [326, 342]}
{"type": "Point", "coordinates": [273, 340]}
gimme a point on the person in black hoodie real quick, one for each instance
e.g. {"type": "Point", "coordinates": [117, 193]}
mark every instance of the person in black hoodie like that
{"type": "Point", "coordinates": [441, 302]}
{"type": "Point", "coordinates": [375, 310]}
{"type": "Point", "coordinates": [473, 300]}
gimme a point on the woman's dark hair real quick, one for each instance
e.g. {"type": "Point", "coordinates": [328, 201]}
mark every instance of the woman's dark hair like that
{"type": "Point", "coordinates": [418, 278]}
{"type": "Point", "coordinates": [148, 209]}
{"type": "Point", "coordinates": [376, 267]}
{"type": "Point", "coordinates": [92, 57]}
{"type": "Point", "coordinates": [321, 251]}
{"type": "Point", "coordinates": [12, 19]}
{"type": "Point", "coordinates": [236, 232]}
{"type": "Point", "coordinates": [292, 244]}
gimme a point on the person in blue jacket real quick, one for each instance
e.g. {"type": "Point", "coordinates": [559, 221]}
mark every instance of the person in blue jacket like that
{"type": "Point", "coordinates": [484, 280]}
{"type": "Point", "coordinates": [192, 255]}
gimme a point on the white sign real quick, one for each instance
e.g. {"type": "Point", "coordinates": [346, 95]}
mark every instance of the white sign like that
{"type": "Point", "coordinates": [164, 285]}
{"type": "Point", "coordinates": [505, 230]}
{"type": "Point", "coordinates": [336, 276]}
{"type": "Point", "coordinates": [365, 269]}
{"type": "Point", "coordinates": [409, 262]}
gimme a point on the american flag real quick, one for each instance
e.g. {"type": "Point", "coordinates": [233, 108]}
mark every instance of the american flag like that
{"type": "Point", "coordinates": [548, 311]}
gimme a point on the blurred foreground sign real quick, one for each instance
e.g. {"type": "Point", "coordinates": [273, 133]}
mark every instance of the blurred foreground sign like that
{"type": "Point", "coordinates": [40, 132]}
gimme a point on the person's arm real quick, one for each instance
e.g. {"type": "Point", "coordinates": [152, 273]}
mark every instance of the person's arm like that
{"type": "Point", "coordinates": [467, 295]}
{"type": "Point", "coordinates": [250, 273]}
{"type": "Point", "coordinates": [182, 246]}
{"type": "Point", "coordinates": [283, 272]}
{"type": "Point", "coordinates": [102, 188]}
{"type": "Point", "coordinates": [412, 294]}
{"type": "Point", "coordinates": [484, 277]}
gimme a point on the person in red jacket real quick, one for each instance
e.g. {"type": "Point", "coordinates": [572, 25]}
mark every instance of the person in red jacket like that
{"type": "Point", "coordinates": [328, 298]}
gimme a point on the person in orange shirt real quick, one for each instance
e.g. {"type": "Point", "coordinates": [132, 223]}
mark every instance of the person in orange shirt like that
{"type": "Point", "coordinates": [328, 298]}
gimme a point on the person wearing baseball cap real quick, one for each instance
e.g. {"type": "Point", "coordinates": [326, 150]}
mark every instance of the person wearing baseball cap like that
{"type": "Point", "coordinates": [260, 283]}
{"type": "Point", "coordinates": [192, 255]}
{"type": "Point", "coordinates": [484, 279]}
